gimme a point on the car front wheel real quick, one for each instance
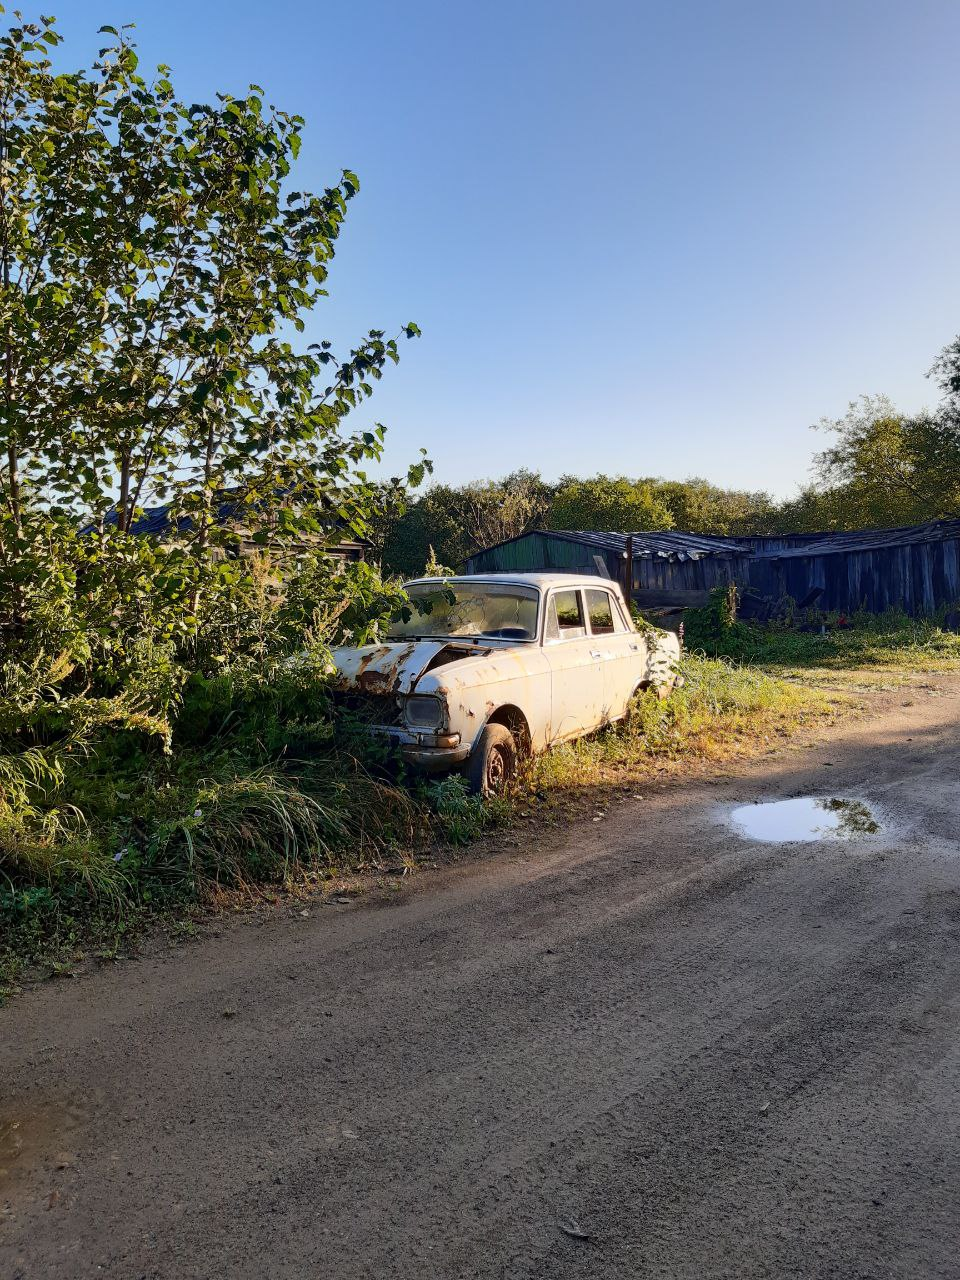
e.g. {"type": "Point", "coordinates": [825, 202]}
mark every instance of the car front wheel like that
{"type": "Point", "coordinates": [493, 762]}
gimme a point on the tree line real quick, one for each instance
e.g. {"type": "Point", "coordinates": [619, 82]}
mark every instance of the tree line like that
{"type": "Point", "coordinates": [880, 468]}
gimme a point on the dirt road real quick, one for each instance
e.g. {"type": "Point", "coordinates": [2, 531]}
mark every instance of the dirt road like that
{"type": "Point", "coordinates": [657, 1050]}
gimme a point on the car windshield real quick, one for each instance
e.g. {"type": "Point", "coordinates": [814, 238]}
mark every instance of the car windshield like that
{"type": "Point", "coordinates": [489, 609]}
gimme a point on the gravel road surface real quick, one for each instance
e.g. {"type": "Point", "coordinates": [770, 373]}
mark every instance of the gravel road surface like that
{"type": "Point", "coordinates": [645, 1048]}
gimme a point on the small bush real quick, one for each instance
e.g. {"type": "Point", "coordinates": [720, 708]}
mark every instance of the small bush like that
{"type": "Point", "coordinates": [463, 817]}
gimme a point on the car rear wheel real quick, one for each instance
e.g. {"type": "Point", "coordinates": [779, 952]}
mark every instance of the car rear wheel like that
{"type": "Point", "coordinates": [493, 762]}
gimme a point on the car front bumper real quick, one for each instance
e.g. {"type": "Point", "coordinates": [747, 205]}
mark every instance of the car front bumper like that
{"type": "Point", "coordinates": [425, 750]}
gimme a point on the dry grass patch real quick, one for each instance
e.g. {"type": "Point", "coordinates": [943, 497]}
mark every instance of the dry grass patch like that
{"type": "Point", "coordinates": [721, 711]}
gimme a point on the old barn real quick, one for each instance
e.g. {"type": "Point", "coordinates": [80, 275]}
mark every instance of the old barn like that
{"type": "Point", "coordinates": [668, 568]}
{"type": "Point", "coordinates": [916, 569]}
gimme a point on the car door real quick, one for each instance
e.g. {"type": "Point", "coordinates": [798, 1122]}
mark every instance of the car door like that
{"type": "Point", "coordinates": [619, 650]}
{"type": "Point", "coordinates": [576, 676]}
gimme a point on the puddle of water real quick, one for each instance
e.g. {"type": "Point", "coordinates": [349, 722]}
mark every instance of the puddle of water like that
{"type": "Point", "coordinates": [27, 1135]}
{"type": "Point", "coordinates": [805, 818]}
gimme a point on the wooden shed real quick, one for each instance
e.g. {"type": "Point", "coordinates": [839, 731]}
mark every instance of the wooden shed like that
{"type": "Point", "coordinates": [665, 568]}
{"type": "Point", "coordinates": [916, 569]}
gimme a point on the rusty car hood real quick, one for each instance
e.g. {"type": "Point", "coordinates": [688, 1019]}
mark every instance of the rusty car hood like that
{"type": "Point", "coordinates": [396, 667]}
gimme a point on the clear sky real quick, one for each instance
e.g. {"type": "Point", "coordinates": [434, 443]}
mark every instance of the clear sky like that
{"type": "Point", "coordinates": [651, 238]}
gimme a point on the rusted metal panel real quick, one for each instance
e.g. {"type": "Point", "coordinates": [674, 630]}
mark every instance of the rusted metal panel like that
{"type": "Point", "coordinates": [385, 668]}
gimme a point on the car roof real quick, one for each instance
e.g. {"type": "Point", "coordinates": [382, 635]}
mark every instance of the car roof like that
{"type": "Point", "coordinates": [541, 580]}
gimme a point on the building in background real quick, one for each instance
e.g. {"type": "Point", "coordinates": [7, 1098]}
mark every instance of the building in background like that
{"type": "Point", "coordinates": [156, 522]}
{"type": "Point", "coordinates": [916, 569]}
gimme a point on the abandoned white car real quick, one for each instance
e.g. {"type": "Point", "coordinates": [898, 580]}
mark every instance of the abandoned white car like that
{"type": "Point", "coordinates": [482, 669]}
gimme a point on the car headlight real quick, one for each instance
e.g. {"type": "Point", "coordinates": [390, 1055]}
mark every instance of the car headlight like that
{"type": "Point", "coordinates": [422, 711]}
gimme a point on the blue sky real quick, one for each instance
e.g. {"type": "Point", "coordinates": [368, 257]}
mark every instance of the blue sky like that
{"type": "Point", "coordinates": [641, 238]}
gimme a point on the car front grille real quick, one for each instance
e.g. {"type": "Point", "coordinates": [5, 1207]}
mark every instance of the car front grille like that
{"type": "Point", "coordinates": [368, 708]}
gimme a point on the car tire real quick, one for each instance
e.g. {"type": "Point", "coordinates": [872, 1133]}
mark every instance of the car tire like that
{"type": "Point", "coordinates": [492, 766]}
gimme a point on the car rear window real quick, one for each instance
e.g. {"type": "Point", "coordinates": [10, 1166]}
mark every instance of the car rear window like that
{"type": "Point", "coordinates": [600, 610]}
{"type": "Point", "coordinates": [565, 619]}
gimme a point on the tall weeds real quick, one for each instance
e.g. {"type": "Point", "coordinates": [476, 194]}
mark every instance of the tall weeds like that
{"type": "Point", "coordinates": [720, 708]}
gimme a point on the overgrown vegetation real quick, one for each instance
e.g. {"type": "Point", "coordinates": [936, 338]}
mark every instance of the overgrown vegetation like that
{"type": "Point", "coordinates": [164, 720]}
{"type": "Point", "coordinates": [277, 796]}
{"type": "Point", "coordinates": [813, 641]}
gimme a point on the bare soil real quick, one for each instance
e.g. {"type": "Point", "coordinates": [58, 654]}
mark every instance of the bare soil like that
{"type": "Point", "coordinates": [644, 1047]}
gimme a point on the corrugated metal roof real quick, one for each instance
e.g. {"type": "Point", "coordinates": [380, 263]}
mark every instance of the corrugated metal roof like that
{"type": "Point", "coordinates": [674, 545]}
{"type": "Point", "coordinates": [826, 544]}
{"type": "Point", "coordinates": [663, 543]}
{"type": "Point", "coordinates": [155, 521]}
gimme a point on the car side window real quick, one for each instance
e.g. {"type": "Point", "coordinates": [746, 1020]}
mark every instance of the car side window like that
{"type": "Point", "coordinates": [603, 617]}
{"type": "Point", "coordinates": [565, 616]}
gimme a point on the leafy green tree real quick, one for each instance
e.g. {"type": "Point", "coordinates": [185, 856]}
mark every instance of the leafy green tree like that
{"type": "Point", "coordinates": [430, 524]}
{"type": "Point", "coordinates": [154, 265]}
{"type": "Point", "coordinates": [452, 522]}
{"type": "Point", "coordinates": [457, 521]}
{"type": "Point", "coordinates": [155, 270]}
{"type": "Point", "coordinates": [608, 503]}
{"type": "Point", "coordinates": [887, 468]}
{"type": "Point", "coordinates": [497, 510]}
{"type": "Point", "coordinates": [946, 374]}
{"type": "Point", "coordinates": [815, 510]}
{"type": "Point", "coordinates": [700, 507]}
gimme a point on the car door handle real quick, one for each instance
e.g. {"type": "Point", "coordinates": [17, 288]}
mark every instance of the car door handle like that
{"type": "Point", "coordinates": [595, 653]}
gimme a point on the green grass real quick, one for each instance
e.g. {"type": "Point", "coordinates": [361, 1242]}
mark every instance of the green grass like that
{"type": "Point", "coordinates": [131, 836]}
{"type": "Point", "coordinates": [886, 642]}
{"type": "Point", "coordinates": [139, 836]}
